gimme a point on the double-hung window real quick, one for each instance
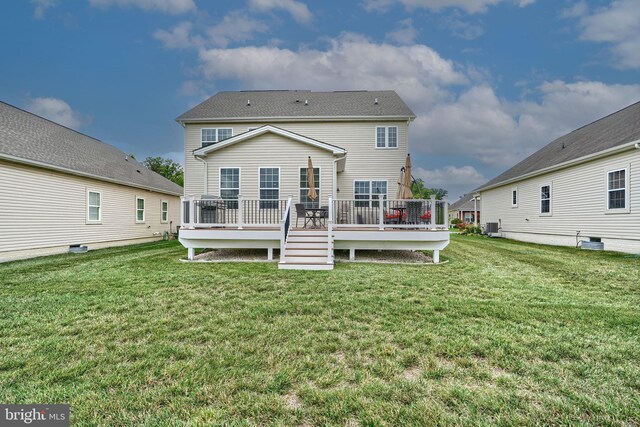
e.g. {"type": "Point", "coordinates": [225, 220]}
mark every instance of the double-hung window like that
{"type": "Point", "coordinates": [164, 211]}
{"type": "Point", "coordinates": [617, 190]}
{"type": "Point", "coordinates": [304, 188]}
{"type": "Point", "coordinates": [212, 135]}
{"type": "Point", "coordinates": [269, 188]}
{"type": "Point", "coordinates": [230, 186]}
{"type": "Point", "coordinates": [94, 206]}
{"type": "Point", "coordinates": [139, 209]}
{"type": "Point", "coordinates": [367, 192]}
{"type": "Point", "coordinates": [545, 199]}
{"type": "Point", "coordinates": [386, 137]}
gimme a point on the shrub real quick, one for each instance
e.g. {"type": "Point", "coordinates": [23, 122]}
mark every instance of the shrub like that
{"type": "Point", "coordinates": [456, 221]}
{"type": "Point", "coordinates": [469, 229]}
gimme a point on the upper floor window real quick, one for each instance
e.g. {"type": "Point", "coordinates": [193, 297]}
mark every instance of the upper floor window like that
{"type": "Point", "coordinates": [139, 209]}
{"type": "Point", "coordinates": [545, 199]}
{"type": "Point", "coordinates": [164, 211]}
{"type": "Point", "coordinates": [94, 206]}
{"type": "Point", "coordinates": [269, 188]}
{"type": "Point", "coordinates": [213, 135]}
{"type": "Point", "coordinates": [617, 190]}
{"type": "Point", "coordinates": [230, 186]}
{"type": "Point", "coordinates": [369, 192]}
{"type": "Point", "coordinates": [386, 137]}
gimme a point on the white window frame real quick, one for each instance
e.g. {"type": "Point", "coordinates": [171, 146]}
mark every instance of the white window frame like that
{"type": "Point", "coordinates": [514, 190]}
{"type": "Point", "coordinates": [386, 138]}
{"type": "Point", "coordinates": [317, 184]}
{"type": "Point", "coordinates": [204, 143]}
{"type": "Point", "coordinates": [550, 213]}
{"type": "Point", "coordinates": [260, 186]}
{"type": "Point", "coordinates": [371, 193]}
{"type": "Point", "coordinates": [144, 209]}
{"type": "Point", "coordinates": [163, 212]}
{"type": "Point", "coordinates": [239, 179]}
{"type": "Point", "coordinates": [609, 190]}
{"type": "Point", "coordinates": [89, 220]}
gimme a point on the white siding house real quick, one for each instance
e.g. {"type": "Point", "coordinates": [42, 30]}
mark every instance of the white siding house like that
{"type": "Point", "coordinates": [256, 146]}
{"type": "Point", "coordinates": [60, 188]}
{"type": "Point", "coordinates": [584, 186]}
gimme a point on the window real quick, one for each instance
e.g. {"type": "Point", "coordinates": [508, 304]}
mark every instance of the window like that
{"type": "Point", "coordinates": [368, 192]}
{"type": "Point", "coordinates": [617, 190]}
{"type": "Point", "coordinates": [139, 209]}
{"type": "Point", "coordinates": [514, 197]}
{"type": "Point", "coordinates": [545, 199]}
{"type": "Point", "coordinates": [269, 188]}
{"type": "Point", "coordinates": [468, 217]}
{"type": "Point", "coordinates": [386, 137]}
{"type": "Point", "coordinates": [94, 206]}
{"type": "Point", "coordinates": [213, 135]}
{"type": "Point", "coordinates": [230, 185]}
{"type": "Point", "coordinates": [304, 188]}
{"type": "Point", "coordinates": [164, 211]}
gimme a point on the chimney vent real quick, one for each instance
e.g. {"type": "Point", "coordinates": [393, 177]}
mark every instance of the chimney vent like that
{"type": "Point", "coordinates": [248, 102]}
{"type": "Point", "coordinates": [376, 101]}
{"type": "Point", "coordinates": [306, 102]}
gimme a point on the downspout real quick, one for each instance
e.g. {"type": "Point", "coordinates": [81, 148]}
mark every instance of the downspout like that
{"type": "Point", "coordinates": [206, 173]}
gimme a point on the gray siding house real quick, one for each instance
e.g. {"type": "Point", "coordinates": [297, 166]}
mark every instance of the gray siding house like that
{"type": "Point", "coordinates": [59, 188]}
{"type": "Point", "coordinates": [251, 149]}
{"type": "Point", "coordinates": [583, 186]}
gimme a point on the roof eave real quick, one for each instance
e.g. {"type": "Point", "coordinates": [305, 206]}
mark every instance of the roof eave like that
{"type": "Point", "coordinates": [184, 121]}
{"type": "Point", "coordinates": [563, 165]}
{"type": "Point", "coordinates": [30, 162]}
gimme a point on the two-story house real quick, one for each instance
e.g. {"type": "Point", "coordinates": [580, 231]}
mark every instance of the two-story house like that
{"type": "Point", "coordinates": [246, 169]}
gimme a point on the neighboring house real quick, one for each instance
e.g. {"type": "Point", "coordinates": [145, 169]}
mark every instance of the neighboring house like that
{"type": "Point", "coordinates": [583, 186]}
{"type": "Point", "coordinates": [466, 209]}
{"type": "Point", "coordinates": [60, 188]}
{"type": "Point", "coordinates": [256, 144]}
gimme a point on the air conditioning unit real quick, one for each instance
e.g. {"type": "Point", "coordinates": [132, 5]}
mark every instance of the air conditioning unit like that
{"type": "Point", "coordinates": [491, 227]}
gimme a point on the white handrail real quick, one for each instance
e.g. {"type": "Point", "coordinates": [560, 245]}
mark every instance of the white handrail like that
{"type": "Point", "coordinates": [330, 232]}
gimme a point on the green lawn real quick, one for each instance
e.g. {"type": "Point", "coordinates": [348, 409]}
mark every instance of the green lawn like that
{"type": "Point", "coordinates": [505, 333]}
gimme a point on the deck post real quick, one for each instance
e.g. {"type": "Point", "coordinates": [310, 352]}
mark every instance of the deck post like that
{"type": "Point", "coordinates": [434, 213]}
{"type": "Point", "coordinates": [330, 231]}
{"type": "Point", "coordinates": [191, 253]}
{"type": "Point", "coordinates": [240, 212]}
{"type": "Point", "coordinates": [352, 254]}
{"type": "Point", "coordinates": [193, 216]}
{"type": "Point", "coordinates": [380, 212]}
{"type": "Point", "coordinates": [445, 208]}
{"type": "Point", "coordinates": [269, 254]}
{"type": "Point", "coordinates": [436, 256]}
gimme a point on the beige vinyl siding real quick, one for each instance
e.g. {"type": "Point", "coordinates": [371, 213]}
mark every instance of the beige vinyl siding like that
{"type": "Point", "coordinates": [40, 208]}
{"type": "Point", "coordinates": [578, 202]}
{"type": "Point", "coordinates": [364, 160]}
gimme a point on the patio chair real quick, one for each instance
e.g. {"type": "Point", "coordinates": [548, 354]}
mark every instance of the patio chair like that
{"type": "Point", "coordinates": [426, 217]}
{"type": "Point", "coordinates": [301, 212]}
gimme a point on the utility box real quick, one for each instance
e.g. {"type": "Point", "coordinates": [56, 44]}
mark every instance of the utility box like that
{"type": "Point", "coordinates": [491, 227]}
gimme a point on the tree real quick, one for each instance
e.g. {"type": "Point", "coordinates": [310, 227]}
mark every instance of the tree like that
{"type": "Point", "coordinates": [421, 192]}
{"type": "Point", "coordinates": [167, 168]}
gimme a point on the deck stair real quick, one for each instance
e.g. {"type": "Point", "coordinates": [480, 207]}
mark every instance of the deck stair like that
{"type": "Point", "coordinates": [306, 249]}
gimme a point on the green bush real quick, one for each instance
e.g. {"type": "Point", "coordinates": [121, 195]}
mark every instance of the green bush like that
{"type": "Point", "coordinates": [456, 221]}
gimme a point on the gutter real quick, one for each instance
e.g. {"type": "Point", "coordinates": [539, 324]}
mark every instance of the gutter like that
{"type": "Point", "coordinates": [293, 119]}
{"type": "Point", "coordinates": [600, 154]}
{"type": "Point", "coordinates": [206, 172]}
{"type": "Point", "coordinates": [21, 160]}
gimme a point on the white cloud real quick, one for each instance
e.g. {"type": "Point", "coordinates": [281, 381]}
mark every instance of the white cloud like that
{"type": "Point", "coordinates": [57, 111]}
{"type": "Point", "coordinates": [298, 10]}
{"type": "Point", "coordinates": [174, 7]}
{"type": "Point", "coordinates": [235, 27]}
{"type": "Point", "coordinates": [462, 29]}
{"type": "Point", "coordinates": [617, 25]}
{"type": "Point", "coordinates": [179, 37]}
{"type": "Point", "coordinates": [457, 180]}
{"type": "Point", "coordinates": [405, 35]}
{"type": "Point", "coordinates": [469, 6]}
{"type": "Point", "coordinates": [41, 7]}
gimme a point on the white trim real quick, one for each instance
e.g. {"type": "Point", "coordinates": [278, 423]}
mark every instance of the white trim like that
{"type": "Point", "coordinates": [318, 183]}
{"type": "Point", "coordinates": [626, 188]}
{"type": "Point", "coordinates": [89, 220]}
{"type": "Point", "coordinates": [515, 189]}
{"type": "Point", "coordinates": [203, 151]}
{"type": "Point", "coordinates": [260, 188]}
{"type": "Point", "coordinates": [144, 210]}
{"type": "Point", "coordinates": [15, 159]}
{"type": "Point", "coordinates": [239, 179]}
{"type": "Point", "coordinates": [295, 119]}
{"type": "Point", "coordinates": [568, 163]}
{"type": "Point", "coordinates": [386, 138]}
{"type": "Point", "coordinates": [217, 129]}
{"type": "Point", "coordinates": [162, 211]}
{"type": "Point", "coordinates": [550, 213]}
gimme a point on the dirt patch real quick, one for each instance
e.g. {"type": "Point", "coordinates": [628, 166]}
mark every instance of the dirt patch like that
{"type": "Point", "coordinates": [411, 374]}
{"type": "Point", "coordinates": [385, 257]}
{"type": "Point", "coordinates": [235, 255]}
{"type": "Point", "coordinates": [292, 401]}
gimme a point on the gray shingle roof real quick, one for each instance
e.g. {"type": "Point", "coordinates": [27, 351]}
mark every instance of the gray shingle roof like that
{"type": "Point", "coordinates": [291, 104]}
{"type": "Point", "coordinates": [465, 203]}
{"type": "Point", "coordinates": [34, 139]}
{"type": "Point", "coordinates": [616, 129]}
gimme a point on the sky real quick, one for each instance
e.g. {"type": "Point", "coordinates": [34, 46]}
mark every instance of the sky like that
{"type": "Point", "coordinates": [491, 81]}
